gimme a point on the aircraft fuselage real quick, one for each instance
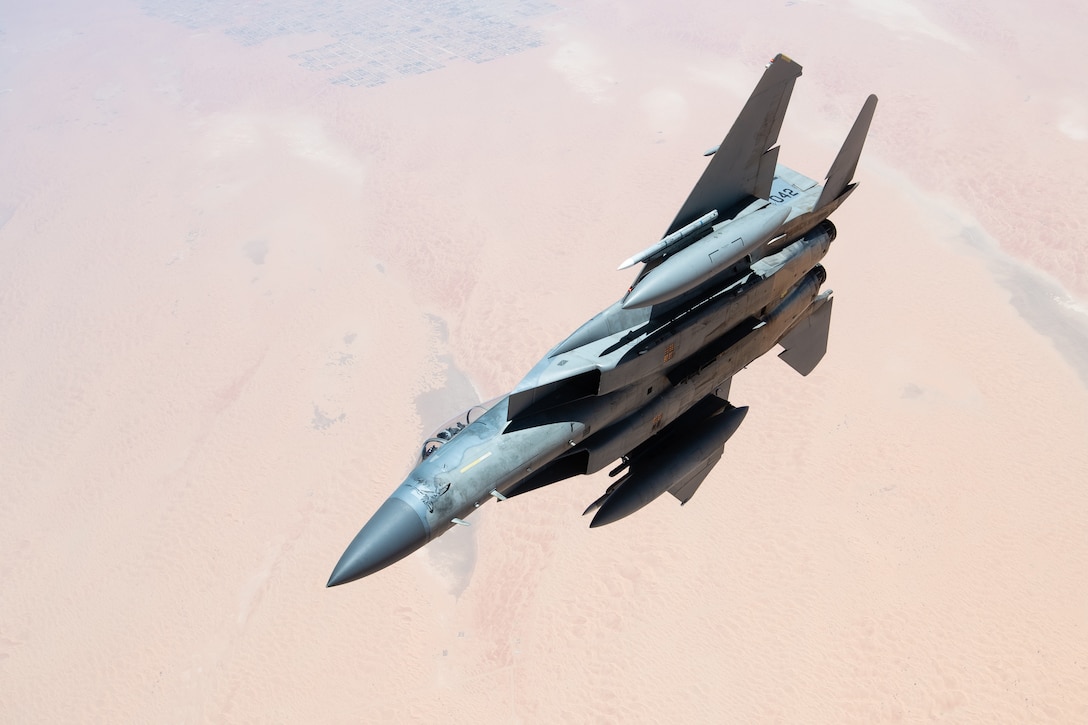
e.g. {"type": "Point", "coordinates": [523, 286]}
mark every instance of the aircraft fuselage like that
{"type": "Point", "coordinates": [646, 381]}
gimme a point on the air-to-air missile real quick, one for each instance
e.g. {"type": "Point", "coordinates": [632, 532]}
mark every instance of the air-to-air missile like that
{"type": "Point", "coordinates": [646, 381]}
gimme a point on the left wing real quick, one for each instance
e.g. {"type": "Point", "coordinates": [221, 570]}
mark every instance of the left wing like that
{"type": "Point", "coordinates": [743, 166]}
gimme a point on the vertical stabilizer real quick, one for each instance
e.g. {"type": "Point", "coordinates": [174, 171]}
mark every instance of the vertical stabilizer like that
{"type": "Point", "coordinates": [743, 166]}
{"type": "Point", "coordinates": [842, 169]}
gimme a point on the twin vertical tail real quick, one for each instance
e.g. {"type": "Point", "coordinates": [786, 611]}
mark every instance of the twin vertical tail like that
{"type": "Point", "coordinates": [841, 175]}
{"type": "Point", "coordinates": [744, 165]}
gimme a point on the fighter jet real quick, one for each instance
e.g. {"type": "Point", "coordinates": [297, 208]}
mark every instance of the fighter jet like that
{"type": "Point", "coordinates": [645, 383]}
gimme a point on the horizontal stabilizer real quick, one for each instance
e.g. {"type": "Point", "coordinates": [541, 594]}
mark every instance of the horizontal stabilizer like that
{"type": "Point", "coordinates": [806, 342]}
{"type": "Point", "coordinates": [842, 169]}
{"type": "Point", "coordinates": [743, 166]}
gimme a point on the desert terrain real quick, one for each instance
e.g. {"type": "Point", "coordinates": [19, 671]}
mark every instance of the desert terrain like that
{"type": "Point", "coordinates": [251, 254]}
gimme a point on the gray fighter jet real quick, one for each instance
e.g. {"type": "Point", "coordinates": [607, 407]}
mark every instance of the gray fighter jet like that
{"type": "Point", "coordinates": [646, 381]}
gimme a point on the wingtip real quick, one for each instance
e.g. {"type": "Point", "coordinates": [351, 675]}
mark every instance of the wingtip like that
{"type": "Point", "coordinates": [785, 60]}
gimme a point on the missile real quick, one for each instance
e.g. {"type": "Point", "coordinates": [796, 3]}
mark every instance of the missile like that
{"type": "Point", "coordinates": [655, 249]}
{"type": "Point", "coordinates": [680, 465]}
{"type": "Point", "coordinates": [691, 266]}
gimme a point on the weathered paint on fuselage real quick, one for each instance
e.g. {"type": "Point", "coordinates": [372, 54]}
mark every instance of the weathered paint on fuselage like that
{"type": "Point", "coordinates": [644, 388]}
{"type": "Point", "coordinates": [458, 478]}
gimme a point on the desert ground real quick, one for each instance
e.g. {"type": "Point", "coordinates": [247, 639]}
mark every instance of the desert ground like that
{"type": "Point", "coordinates": [250, 256]}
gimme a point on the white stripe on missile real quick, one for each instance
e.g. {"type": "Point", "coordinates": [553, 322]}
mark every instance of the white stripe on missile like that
{"type": "Point", "coordinates": [673, 238]}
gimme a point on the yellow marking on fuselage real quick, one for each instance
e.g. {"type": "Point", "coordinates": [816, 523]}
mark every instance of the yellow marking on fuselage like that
{"type": "Point", "coordinates": [476, 461]}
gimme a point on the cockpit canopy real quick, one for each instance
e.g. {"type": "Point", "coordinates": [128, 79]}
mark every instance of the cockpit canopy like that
{"type": "Point", "coordinates": [453, 426]}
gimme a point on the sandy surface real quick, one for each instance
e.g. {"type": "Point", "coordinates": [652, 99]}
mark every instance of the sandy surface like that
{"type": "Point", "coordinates": [233, 295]}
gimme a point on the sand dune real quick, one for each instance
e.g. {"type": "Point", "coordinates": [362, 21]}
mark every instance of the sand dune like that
{"type": "Point", "coordinates": [233, 294]}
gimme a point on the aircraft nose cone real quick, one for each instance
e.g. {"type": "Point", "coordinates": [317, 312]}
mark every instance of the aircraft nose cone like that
{"type": "Point", "coordinates": [394, 532]}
